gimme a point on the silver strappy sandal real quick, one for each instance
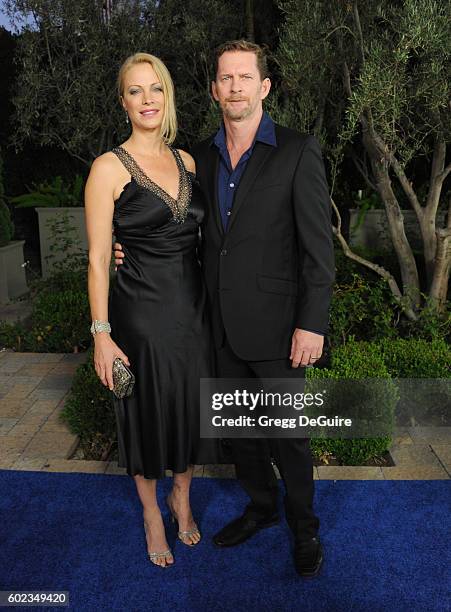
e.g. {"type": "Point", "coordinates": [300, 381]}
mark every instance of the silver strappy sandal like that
{"type": "Point", "coordinates": [154, 556]}
{"type": "Point", "coordinates": [183, 535]}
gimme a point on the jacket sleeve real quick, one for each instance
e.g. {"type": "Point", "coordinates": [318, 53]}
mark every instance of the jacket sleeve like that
{"type": "Point", "coordinates": [313, 212]}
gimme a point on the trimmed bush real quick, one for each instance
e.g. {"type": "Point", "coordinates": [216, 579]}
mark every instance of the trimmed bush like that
{"type": "Point", "coordinates": [416, 358]}
{"type": "Point", "coordinates": [357, 360]}
{"type": "Point", "coordinates": [362, 309]}
{"type": "Point", "coordinates": [422, 371]}
{"type": "Point", "coordinates": [89, 412]}
{"type": "Point", "coordinates": [60, 320]}
{"type": "Point", "coordinates": [12, 335]}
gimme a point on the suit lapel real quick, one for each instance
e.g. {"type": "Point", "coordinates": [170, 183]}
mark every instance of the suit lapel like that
{"type": "Point", "coordinates": [254, 165]}
{"type": "Point", "coordinates": [213, 187]}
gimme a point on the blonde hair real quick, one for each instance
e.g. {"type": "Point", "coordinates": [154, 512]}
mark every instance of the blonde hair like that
{"type": "Point", "coordinates": [169, 123]}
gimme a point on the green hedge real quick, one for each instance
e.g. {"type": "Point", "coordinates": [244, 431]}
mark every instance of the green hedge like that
{"type": "Point", "coordinates": [60, 319]}
{"type": "Point", "coordinates": [364, 308]}
{"type": "Point", "coordinates": [416, 358]}
{"type": "Point", "coordinates": [357, 360]}
{"type": "Point", "coordinates": [424, 402]}
{"type": "Point", "coordinates": [89, 412]}
{"type": "Point", "coordinates": [396, 358]}
{"type": "Point", "coordinates": [90, 415]}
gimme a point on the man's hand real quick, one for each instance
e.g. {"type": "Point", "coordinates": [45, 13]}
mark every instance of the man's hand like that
{"type": "Point", "coordinates": [306, 348]}
{"type": "Point", "coordinates": [118, 254]}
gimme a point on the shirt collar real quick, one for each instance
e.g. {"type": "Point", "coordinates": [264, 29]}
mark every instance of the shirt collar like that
{"type": "Point", "coordinates": [266, 133]}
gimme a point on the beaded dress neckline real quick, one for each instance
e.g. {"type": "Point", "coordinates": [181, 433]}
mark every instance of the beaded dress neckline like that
{"type": "Point", "coordinates": [179, 206]}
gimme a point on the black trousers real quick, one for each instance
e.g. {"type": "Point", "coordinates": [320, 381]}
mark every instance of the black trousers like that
{"type": "Point", "coordinates": [252, 457]}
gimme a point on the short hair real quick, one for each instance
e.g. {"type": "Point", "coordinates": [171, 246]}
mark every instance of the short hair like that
{"type": "Point", "coordinates": [244, 45]}
{"type": "Point", "coordinates": [169, 123]}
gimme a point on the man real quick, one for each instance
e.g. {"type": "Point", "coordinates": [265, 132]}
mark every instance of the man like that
{"type": "Point", "coordinates": [268, 264]}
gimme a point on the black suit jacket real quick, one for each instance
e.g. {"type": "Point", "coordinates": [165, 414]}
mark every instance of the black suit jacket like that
{"type": "Point", "coordinates": [273, 269]}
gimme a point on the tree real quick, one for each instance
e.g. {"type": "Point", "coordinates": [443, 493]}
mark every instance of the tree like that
{"type": "Point", "coordinates": [68, 61]}
{"type": "Point", "coordinates": [185, 35]}
{"type": "Point", "coordinates": [372, 80]}
{"type": "Point", "coordinates": [69, 58]}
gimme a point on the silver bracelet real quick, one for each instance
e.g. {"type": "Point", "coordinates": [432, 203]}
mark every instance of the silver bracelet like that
{"type": "Point", "coordinates": [100, 326]}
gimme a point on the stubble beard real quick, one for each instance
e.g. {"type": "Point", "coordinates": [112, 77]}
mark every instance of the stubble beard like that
{"type": "Point", "coordinates": [238, 115]}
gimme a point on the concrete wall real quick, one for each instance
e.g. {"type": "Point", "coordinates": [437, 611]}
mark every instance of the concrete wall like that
{"type": "Point", "coordinates": [13, 281]}
{"type": "Point", "coordinates": [373, 233]}
{"type": "Point", "coordinates": [75, 221]}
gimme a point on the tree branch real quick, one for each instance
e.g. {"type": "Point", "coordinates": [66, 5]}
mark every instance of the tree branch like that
{"type": "Point", "coordinates": [445, 173]}
{"type": "Point", "coordinates": [250, 20]}
{"type": "Point", "coordinates": [340, 27]}
{"type": "Point", "coordinates": [448, 224]}
{"type": "Point", "coordinates": [363, 171]}
{"type": "Point", "coordinates": [320, 117]}
{"type": "Point", "coordinates": [437, 175]}
{"type": "Point", "coordinates": [346, 74]}
{"type": "Point", "coordinates": [385, 274]}
{"type": "Point", "coordinates": [359, 32]}
{"type": "Point", "coordinates": [347, 79]}
{"type": "Point", "coordinates": [401, 175]}
{"type": "Point", "coordinates": [69, 150]}
{"type": "Point", "coordinates": [439, 283]}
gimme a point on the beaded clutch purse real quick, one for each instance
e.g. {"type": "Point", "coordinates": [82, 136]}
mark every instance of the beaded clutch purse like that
{"type": "Point", "coordinates": [123, 379]}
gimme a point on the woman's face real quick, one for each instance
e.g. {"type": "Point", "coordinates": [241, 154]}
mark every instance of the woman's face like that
{"type": "Point", "coordinates": [143, 97]}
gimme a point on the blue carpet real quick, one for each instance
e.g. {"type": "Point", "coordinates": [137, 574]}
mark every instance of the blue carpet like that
{"type": "Point", "coordinates": [387, 548]}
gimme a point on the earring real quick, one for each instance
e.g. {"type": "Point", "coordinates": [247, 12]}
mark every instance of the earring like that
{"type": "Point", "coordinates": [126, 118]}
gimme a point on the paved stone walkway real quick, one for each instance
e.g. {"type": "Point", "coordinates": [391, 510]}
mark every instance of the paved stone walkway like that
{"type": "Point", "coordinates": [33, 387]}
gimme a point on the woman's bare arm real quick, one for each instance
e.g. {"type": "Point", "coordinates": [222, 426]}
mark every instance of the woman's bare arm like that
{"type": "Point", "coordinates": [99, 208]}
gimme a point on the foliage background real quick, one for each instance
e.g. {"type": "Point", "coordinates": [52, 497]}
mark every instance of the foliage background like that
{"type": "Point", "coordinates": [336, 67]}
{"type": "Point", "coordinates": [347, 70]}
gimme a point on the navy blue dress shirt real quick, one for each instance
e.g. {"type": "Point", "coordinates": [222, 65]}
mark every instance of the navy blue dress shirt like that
{"type": "Point", "coordinates": [228, 179]}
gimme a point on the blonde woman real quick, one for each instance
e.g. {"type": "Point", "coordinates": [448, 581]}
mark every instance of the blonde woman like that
{"type": "Point", "coordinates": [155, 321]}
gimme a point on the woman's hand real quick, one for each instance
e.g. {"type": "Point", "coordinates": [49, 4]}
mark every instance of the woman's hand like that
{"type": "Point", "coordinates": [105, 352]}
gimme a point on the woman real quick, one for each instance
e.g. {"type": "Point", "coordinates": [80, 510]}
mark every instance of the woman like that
{"type": "Point", "coordinates": [147, 190]}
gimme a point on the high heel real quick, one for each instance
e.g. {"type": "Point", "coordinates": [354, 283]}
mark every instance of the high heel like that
{"type": "Point", "coordinates": [154, 556]}
{"type": "Point", "coordinates": [183, 535]}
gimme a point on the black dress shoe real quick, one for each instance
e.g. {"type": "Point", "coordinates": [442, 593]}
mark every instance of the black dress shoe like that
{"type": "Point", "coordinates": [241, 529]}
{"type": "Point", "coordinates": [308, 557]}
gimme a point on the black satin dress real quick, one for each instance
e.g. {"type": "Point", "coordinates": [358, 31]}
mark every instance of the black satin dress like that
{"type": "Point", "coordinates": [158, 318]}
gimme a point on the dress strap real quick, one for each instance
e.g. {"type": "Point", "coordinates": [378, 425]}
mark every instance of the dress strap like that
{"type": "Point", "coordinates": [178, 159]}
{"type": "Point", "coordinates": [126, 159]}
{"type": "Point", "coordinates": [179, 206]}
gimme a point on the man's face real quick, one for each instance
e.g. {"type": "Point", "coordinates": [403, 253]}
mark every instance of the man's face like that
{"type": "Point", "coordinates": [238, 86]}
